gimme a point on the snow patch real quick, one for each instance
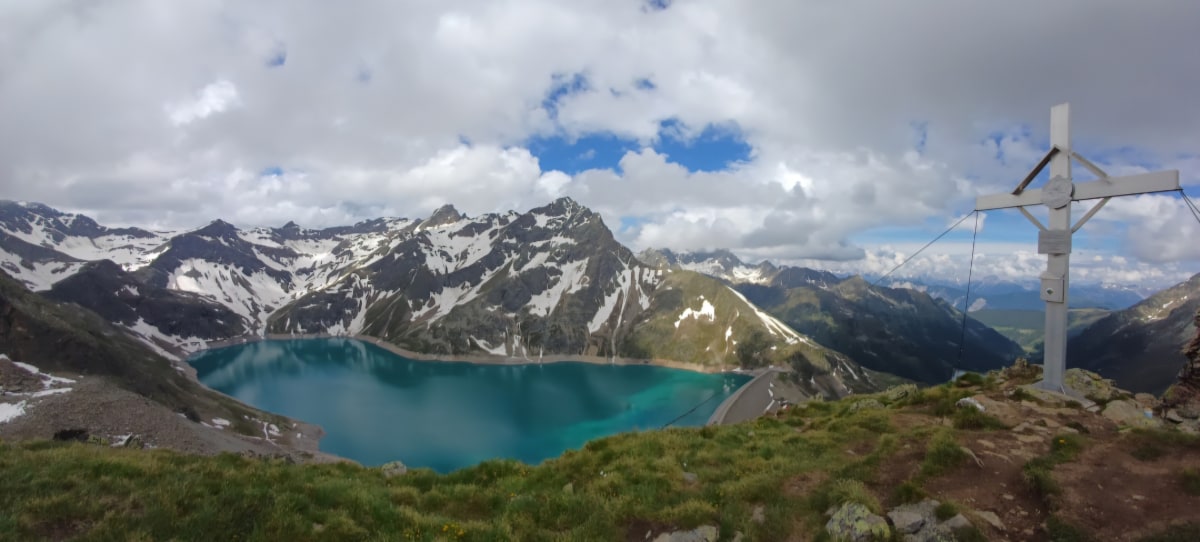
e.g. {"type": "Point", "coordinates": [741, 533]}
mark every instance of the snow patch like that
{"type": "Point", "coordinates": [10, 411]}
{"type": "Point", "coordinates": [707, 311]}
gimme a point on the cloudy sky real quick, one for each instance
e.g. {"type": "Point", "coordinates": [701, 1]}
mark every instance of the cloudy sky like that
{"type": "Point", "coordinates": [841, 135]}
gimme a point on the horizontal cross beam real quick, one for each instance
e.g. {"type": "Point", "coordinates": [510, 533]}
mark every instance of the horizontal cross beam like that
{"type": "Point", "coordinates": [1144, 183]}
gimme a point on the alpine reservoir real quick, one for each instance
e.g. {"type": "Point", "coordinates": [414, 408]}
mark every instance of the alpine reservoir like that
{"type": "Point", "coordinates": [377, 406]}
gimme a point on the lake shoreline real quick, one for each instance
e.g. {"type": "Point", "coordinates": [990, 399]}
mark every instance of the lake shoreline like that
{"type": "Point", "coordinates": [481, 359]}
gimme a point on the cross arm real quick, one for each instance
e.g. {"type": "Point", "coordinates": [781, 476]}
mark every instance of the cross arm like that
{"type": "Point", "coordinates": [1144, 183]}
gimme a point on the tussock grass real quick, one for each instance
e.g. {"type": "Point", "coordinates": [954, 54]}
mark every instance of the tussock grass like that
{"type": "Point", "coordinates": [941, 455]}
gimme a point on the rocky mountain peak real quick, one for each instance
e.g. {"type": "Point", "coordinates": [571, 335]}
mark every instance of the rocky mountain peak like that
{"type": "Point", "coordinates": [445, 214]}
{"type": "Point", "coordinates": [218, 228]}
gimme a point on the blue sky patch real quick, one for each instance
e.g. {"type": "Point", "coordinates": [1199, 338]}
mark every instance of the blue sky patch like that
{"type": "Point", "coordinates": [715, 149]}
{"type": "Point", "coordinates": [594, 151]}
{"type": "Point", "coordinates": [271, 171]}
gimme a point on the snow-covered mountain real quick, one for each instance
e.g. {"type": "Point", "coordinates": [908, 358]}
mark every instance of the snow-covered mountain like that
{"type": "Point", "coordinates": [895, 330]}
{"type": "Point", "coordinates": [548, 282]}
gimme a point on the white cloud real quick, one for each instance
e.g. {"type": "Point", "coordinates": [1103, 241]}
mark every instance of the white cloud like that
{"type": "Point", "coordinates": [369, 112]}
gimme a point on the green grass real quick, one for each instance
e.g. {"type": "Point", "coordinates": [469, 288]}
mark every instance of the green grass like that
{"type": "Point", "coordinates": [942, 454]}
{"type": "Point", "coordinates": [972, 418]}
{"type": "Point", "coordinates": [65, 490]}
{"type": "Point", "coordinates": [1153, 444]}
{"type": "Point", "coordinates": [1039, 470]}
{"type": "Point", "coordinates": [1061, 531]}
{"type": "Point", "coordinates": [945, 511]}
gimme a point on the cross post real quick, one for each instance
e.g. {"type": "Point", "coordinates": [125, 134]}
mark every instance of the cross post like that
{"type": "Point", "coordinates": [1054, 240]}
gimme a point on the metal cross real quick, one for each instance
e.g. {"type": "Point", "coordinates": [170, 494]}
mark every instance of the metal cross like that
{"type": "Point", "coordinates": [1055, 240]}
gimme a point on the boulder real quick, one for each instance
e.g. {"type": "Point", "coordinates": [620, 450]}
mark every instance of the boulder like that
{"type": "Point", "coordinates": [1129, 414]}
{"type": "Point", "coordinates": [906, 521]}
{"type": "Point", "coordinates": [970, 402]}
{"type": "Point", "coordinates": [991, 518]}
{"type": "Point", "coordinates": [1002, 410]}
{"type": "Point", "coordinates": [896, 393]}
{"type": "Point", "coordinates": [393, 468]}
{"type": "Point", "coordinates": [690, 478]}
{"type": "Point", "coordinates": [854, 522]}
{"type": "Point", "coordinates": [703, 533]}
{"type": "Point", "coordinates": [1090, 385]}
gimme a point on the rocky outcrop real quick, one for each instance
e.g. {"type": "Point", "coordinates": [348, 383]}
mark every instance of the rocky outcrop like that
{"type": "Point", "coordinates": [854, 522]}
{"type": "Point", "coordinates": [1181, 402]}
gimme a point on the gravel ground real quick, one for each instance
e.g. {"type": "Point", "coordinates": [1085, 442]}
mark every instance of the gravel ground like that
{"type": "Point", "coordinates": [104, 410]}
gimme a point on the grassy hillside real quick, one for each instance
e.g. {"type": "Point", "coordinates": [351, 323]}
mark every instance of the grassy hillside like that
{"type": "Point", "coordinates": [769, 480]}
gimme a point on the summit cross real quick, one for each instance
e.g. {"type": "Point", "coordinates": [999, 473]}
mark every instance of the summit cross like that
{"type": "Point", "coordinates": [1055, 240]}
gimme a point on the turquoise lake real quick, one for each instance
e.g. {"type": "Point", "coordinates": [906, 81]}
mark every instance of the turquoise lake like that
{"type": "Point", "coordinates": [376, 406]}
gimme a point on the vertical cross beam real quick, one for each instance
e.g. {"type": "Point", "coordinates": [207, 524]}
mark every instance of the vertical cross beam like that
{"type": "Point", "coordinates": [1058, 266]}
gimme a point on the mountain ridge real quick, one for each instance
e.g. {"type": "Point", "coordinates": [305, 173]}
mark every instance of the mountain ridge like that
{"type": "Point", "coordinates": [549, 281]}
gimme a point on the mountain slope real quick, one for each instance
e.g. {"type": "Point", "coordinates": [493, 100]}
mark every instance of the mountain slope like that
{"type": "Point", "coordinates": [899, 331]}
{"type": "Point", "coordinates": [66, 338]}
{"type": "Point", "coordinates": [549, 282]}
{"type": "Point", "coordinates": [1140, 347]}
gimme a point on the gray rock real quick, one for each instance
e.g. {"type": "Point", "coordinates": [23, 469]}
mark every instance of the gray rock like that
{"type": "Point", "coordinates": [703, 533]}
{"type": "Point", "coordinates": [393, 468]}
{"type": "Point", "coordinates": [759, 515]}
{"type": "Point", "coordinates": [1173, 416]}
{"type": "Point", "coordinates": [854, 522]}
{"type": "Point", "coordinates": [690, 478]}
{"type": "Point", "coordinates": [1145, 400]}
{"type": "Point", "coordinates": [957, 522]}
{"type": "Point", "coordinates": [896, 393]}
{"type": "Point", "coordinates": [906, 521]}
{"type": "Point", "coordinates": [569, 488]}
{"type": "Point", "coordinates": [970, 402]}
{"type": "Point", "coordinates": [1129, 414]}
{"type": "Point", "coordinates": [992, 519]}
{"type": "Point", "coordinates": [1090, 385]}
{"type": "Point", "coordinates": [1189, 410]}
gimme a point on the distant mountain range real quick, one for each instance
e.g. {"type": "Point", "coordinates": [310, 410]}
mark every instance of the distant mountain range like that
{"type": "Point", "coordinates": [993, 294]}
{"type": "Point", "coordinates": [548, 282]}
{"type": "Point", "coordinates": [1141, 347]}
{"type": "Point", "coordinates": [896, 330]}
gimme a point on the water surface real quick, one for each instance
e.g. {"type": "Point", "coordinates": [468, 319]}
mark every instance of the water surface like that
{"type": "Point", "coordinates": [376, 406]}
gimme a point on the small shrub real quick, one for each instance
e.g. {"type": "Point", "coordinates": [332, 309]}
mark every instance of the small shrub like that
{"type": "Point", "coordinates": [1066, 447]}
{"type": "Point", "coordinates": [942, 454]}
{"type": "Point", "coordinates": [1061, 531]}
{"type": "Point", "coordinates": [839, 492]}
{"type": "Point", "coordinates": [945, 511]}
{"type": "Point", "coordinates": [1038, 473]}
{"type": "Point", "coordinates": [908, 492]}
{"type": "Point", "coordinates": [1019, 394]}
{"type": "Point", "coordinates": [1189, 479]}
{"type": "Point", "coordinates": [975, 419]}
